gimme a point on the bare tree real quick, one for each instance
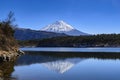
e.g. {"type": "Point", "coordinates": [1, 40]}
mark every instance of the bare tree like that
{"type": "Point", "coordinates": [10, 18]}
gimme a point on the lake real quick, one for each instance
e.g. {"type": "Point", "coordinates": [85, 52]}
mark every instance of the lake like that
{"type": "Point", "coordinates": [37, 64]}
{"type": "Point", "coordinates": [63, 49]}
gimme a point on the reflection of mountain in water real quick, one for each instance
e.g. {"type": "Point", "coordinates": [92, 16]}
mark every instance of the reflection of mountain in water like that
{"type": "Point", "coordinates": [61, 62]}
{"type": "Point", "coordinates": [44, 57]}
{"type": "Point", "coordinates": [58, 64]}
{"type": "Point", "coordinates": [62, 66]}
{"type": "Point", "coordinates": [29, 59]}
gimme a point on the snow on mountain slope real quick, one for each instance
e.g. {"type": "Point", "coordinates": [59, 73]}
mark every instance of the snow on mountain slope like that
{"type": "Point", "coordinates": [58, 26]}
{"type": "Point", "coordinates": [63, 27]}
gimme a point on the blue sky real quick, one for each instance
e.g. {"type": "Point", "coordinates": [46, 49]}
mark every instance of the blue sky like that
{"type": "Point", "coordinates": [90, 16]}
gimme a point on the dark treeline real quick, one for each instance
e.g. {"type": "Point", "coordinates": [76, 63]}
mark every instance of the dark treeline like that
{"type": "Point", "coordinates": [24, 43]}
{"type": "Point", "coordinates": [102, 40]}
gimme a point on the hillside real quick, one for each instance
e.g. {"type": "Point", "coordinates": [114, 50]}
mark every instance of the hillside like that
{"type": "Point", "coordinates": [8, 45]}
{"type": "Point", "coordinates": [7, 42]}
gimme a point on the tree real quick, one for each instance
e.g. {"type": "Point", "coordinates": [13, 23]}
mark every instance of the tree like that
{"type": "Point", "coordinates": [6, 25]}
{"type": "Point", "coordinates": [10, 18]}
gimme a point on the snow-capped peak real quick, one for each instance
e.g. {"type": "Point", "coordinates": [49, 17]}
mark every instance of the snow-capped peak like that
{"type": "Point", "coordinates": [58, 26]}
{"type": "Point", "coordinates": [63, 27]}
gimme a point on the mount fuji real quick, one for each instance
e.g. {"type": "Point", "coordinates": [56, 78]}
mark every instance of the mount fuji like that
{"type": "Point", "coordinates": [63, 27]}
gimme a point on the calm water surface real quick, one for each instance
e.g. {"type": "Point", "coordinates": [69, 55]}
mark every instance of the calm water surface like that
{"type": "Point", "coordinates": [63, 49]}
{"type": "Point", "coordinates": [39, 66]}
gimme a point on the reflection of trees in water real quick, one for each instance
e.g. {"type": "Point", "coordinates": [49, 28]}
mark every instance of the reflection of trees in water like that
{"type": "Point", "coordinates": [6, 69]}
{"type": "Point", "coordinates": [98, 55]}
{"type": "Point", "coordinates": [43, 57]}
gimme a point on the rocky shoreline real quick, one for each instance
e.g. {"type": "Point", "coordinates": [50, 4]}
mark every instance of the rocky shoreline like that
{"type": "Point", "coordinates": [10, 55]}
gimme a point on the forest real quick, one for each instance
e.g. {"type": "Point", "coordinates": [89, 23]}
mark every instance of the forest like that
{"type": "Point", "coordinates": [100, 40]}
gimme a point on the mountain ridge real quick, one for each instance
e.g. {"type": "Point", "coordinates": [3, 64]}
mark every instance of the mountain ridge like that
{"type": "Point", "coordinates": [29, 34]}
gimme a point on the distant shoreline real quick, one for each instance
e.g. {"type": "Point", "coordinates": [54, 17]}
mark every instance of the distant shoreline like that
{"type": "Point", "coordinates": [73, 50]}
